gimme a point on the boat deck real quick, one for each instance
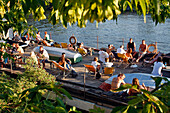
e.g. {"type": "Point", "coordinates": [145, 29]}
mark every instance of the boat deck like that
{"type": "Point", "coordinates": [76, 85]}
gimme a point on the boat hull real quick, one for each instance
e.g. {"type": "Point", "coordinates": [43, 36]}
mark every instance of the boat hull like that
{"type": "Point", "coordinates": [55, 54]}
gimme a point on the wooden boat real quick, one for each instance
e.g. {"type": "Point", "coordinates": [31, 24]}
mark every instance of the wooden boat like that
{"type": "Point", "coordinates": [55, 53]}
{"type": "Point", "coordinates": [22, 44]}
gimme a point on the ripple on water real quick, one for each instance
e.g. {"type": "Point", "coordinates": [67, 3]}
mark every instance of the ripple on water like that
{"type": "Point", "coordinates": [129, 26]}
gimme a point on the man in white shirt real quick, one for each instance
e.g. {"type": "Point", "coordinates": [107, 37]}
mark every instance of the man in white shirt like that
{"type": "Point", "coordinates": [158, 66]}
{"type": "Point", "coordinates": [44, 55]}
{"type": "Point", "coordinates": [107, 63]}
{"type": "Point", "coordinates": [103, 55]}
{"type": "Point", "coordinates": [121, 50]}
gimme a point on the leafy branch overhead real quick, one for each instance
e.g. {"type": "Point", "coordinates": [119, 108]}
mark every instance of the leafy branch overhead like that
{"type": "Point", "coordinates": [79, 12]}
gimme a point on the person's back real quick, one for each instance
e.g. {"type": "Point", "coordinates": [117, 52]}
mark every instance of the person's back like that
{"type": "Point", "coordinates": [121, 50]}
{"type": "Point", "coordinates": [103, 55]}
{"type": "Point", "coordinates": [117, 81]}
{"type": "Point", "coordinates": [158, 67]}
{"type": "Point", "coordinates": [107, 63]}
{"type": "Point", "coordinates": [95, 62]}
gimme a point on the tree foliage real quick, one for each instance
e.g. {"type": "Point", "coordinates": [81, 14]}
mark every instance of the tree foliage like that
{"type": "Point", "coordinates": [30, 92]}
{"type": "Point", "coordinates": [156, 101]}
{"type": "Point", "coordinates": [79, 12]}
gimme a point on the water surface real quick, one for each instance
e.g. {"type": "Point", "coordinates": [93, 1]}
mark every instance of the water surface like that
{"type": "Point", "coordinates": [128, 26]}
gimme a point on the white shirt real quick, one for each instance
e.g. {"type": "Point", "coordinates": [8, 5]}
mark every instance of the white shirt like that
{"type": "Point", "coordinates": [157, 68]}
{"type": "Point", "coordinates": [95, 64]}
{"type": "Point", "coordinates": [121, 51]}
{"type": "Point", "coordinates": [34, 57]}
{"type": "Point", "coordinates": [38, 37]}
{"type": "Point", "coordinates": [103, 55]}
{"type": "Point", "coordinates": [45, 53]}
{"type": "Point", "coordinates": [108, 64]}
{"type": "Point", "coordinates": [20, 49]}
{"type": "Point", "coordinates": [47, 37]}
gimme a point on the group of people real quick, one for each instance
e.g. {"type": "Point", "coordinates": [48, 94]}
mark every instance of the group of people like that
{"type": "Point", "coordinates": [17, 38]}
{"type": "Point", "coordinates": [15, 51]}
{"type": "Point", "coordinates": [40, 40]}
{"type": "Point", "coordinates": [106, 56]}
{"type": "Point", "coordinates": [119, 80]}
{"type": "Point", "coordinates": [42, 56]}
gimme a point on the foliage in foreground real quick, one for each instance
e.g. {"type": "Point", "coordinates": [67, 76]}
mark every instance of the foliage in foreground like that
{"type": "Point", "coordinates": [31, 92]}
{"type": "Point", "coordinates": [37, 91]}
{"type": "Point", "coordinates": [156, 101]}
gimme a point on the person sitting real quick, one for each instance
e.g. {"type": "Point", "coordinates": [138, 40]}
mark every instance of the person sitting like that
{"type": "Point", "coordinates": [42, 54]}
{"type": "Point", "coordinates": [24, 38]}
{"type": "Point", "coordinates": [129, 56]}
{"type": "Point", "coordinates": [46, 37]}
{"type": "Point", "coordinates": [17, 38]}
{"type": "Point", "coordinates": [107, 63]}
{"type": "Point", "coordinates": [142, 50]}
{"type": "Point", "coordinates": [133, 92]}
{"type": "Point", "coordinates": [158, 66]}
{"type": "Point", "coordinates": [116, 82]}
{"type": "Point", "coordinates": [102, 55]}
{"type": "Point", "coordinates": [65, 62]}
{"type": "Point", "coordinates": [70, 47]}
{"type": "Point", "coordinates": [85, 51]}
{"type": "Point", "coordinates": [34, 57]}
{"type": "Point", "coordinates": [132, 45]}
{"type": "Point", "coordinates": [19, 48]}
{"type": "Point", "coordinates": [109, 51]}
{"type": "Point", "coordinates": [38, 38]}
{"type": "Point", "coordinates": [96, 64]}
{"type": "Point", "coordinates": [2, 59]}
{"type": "Point", "coordinates": [121, 50]}
{"type": "Point", "coordinates": [154, 58]}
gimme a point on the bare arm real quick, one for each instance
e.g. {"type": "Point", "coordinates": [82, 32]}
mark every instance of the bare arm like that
{"type": "Point", "coordinates": [127, 46]}
{"type": "Point", "coordinates": [134, 46]}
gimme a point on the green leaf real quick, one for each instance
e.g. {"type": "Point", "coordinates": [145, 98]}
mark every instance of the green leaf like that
{"type": "Point", "coordinates": [132, 110]}
{"type": "Point", "coordinates": [135, 101]}
{"type": "Point", "coordinates": [143, 6]}
{"type": "Point", "coordinates": [123, 87]}
{"type": "Point", "coordinates": [60, 102]}
{"type": "Point", "coordinates": [48, 104]}
{"type": "Point", "coordinates": [118, 109]}
{"type": "Point", "coordinates": [65, 93]}
{"type": "Point", "coordinates": [93, 6]}
{"type": "Point", "coordinates": [147, 108]}
{"type": "Point", "coordinates": [157, 81]}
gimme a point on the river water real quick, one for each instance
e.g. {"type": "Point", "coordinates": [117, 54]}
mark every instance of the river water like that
{"type": "Point", "coordinates": [129, 25]}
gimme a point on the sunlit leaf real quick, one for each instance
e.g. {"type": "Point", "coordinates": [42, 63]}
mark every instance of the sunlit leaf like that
{"type": "Point", "coordinates": [93, 6]}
